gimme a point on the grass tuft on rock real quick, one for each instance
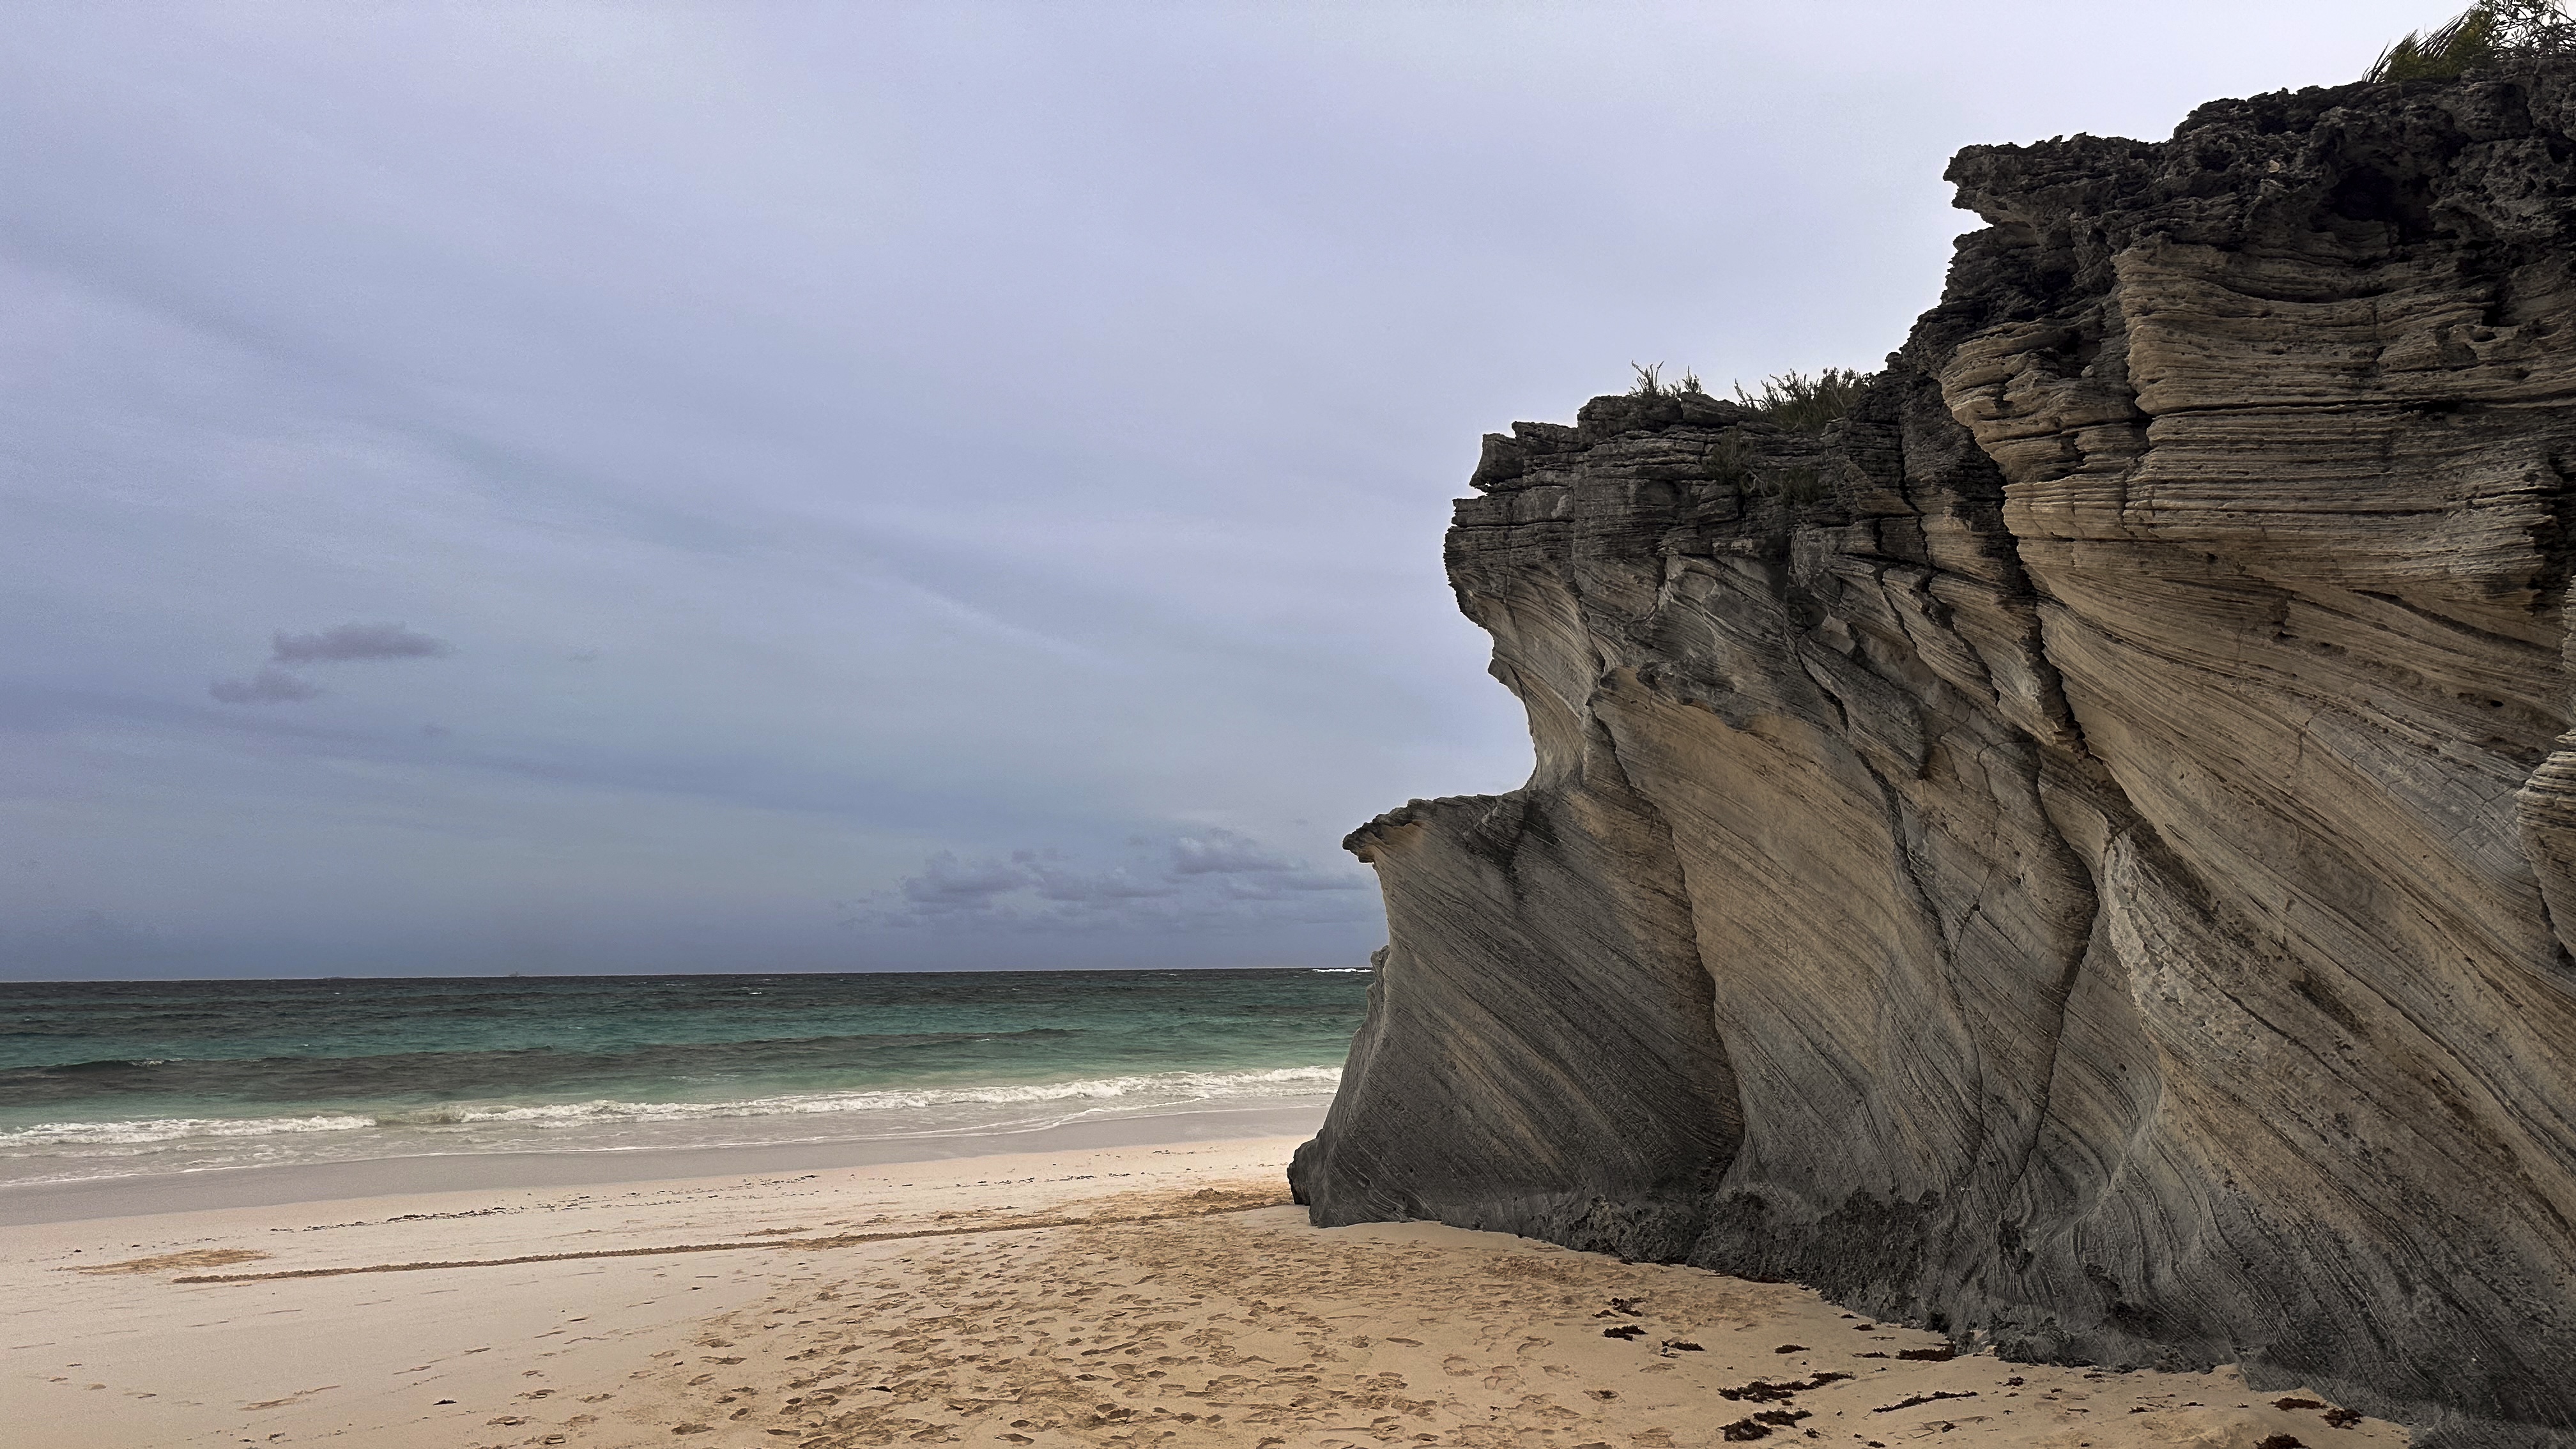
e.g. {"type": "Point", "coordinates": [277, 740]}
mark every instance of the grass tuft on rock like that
{"type": "Point", "coordinates": [1650, 382]}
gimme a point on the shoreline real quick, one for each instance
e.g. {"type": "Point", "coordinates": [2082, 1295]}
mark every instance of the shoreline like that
{"type": "Point", "coordinates": [281, 1185]}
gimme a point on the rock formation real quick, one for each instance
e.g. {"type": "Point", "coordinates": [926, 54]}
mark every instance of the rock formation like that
{"type": "Point", "coordinates": [2081, 852]}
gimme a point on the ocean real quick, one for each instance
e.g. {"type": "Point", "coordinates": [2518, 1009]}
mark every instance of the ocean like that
{"type": "Point", "coordinates": [112, 1079]}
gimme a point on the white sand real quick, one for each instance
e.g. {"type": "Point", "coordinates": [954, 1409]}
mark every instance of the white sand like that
{"type": "Point", "coordinates": [1177, 1310]}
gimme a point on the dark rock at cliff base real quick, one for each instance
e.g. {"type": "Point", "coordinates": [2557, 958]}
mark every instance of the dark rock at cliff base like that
{"type": "Point", "coordinates": [2081, 854]}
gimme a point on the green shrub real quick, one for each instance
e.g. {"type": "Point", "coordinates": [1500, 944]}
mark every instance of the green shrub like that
{"type": "Point", "coordinates": [1730, 459]}
{"type": "Point", "coordinates": [1798, 485]}
{"type": "Point", "coordinates": [2481, 37]}
{"type": "Point", "coordinates": [2442, 54]}
{"type": "Point", "coordinates": [1792, 399]}
{"type": "Point", "coordinates": [1806, 404]}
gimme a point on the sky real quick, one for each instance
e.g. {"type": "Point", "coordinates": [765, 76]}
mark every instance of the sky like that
{"type": "Point", "coordinates": [764, 487]}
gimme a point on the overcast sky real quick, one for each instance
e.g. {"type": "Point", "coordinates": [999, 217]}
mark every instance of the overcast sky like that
{"type": "Point", "coordinates": [652, 487]}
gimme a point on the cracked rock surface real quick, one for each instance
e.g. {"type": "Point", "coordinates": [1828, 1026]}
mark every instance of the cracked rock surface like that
{"type": "Point", "coordinates": [2082, 852]}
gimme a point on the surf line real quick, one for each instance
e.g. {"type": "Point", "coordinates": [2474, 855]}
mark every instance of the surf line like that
{"type": "Point", "coordinates": [842, 1240]}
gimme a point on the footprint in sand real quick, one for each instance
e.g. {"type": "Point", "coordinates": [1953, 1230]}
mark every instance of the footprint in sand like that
{"type": "Point", "coordinates": [297, 1396]}
{"type": "Point", "coordinates": [195, 1258]}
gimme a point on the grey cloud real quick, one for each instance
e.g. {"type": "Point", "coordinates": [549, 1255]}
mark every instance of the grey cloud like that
{"type": "Point", "coordinates": [949, 884]}
{"type": "Point", "coordinates": [1116, 884]}
{"type": "Point", "coordinates": [1249, 870]}
{"type": "Point", "coordinates": [1224, 852]}
{"type": "Point", "coordinates": [1316, 880]}
{"type": "Point", "coordinates": [1215, 878]}
{"type": "Point", "coordinates": [1287, 885]}
{"type": "Point", "coordinates": [344, 642]}
{"type": "Point", "coordinates": [339, 644]}
{"type": "Point", "coordinates": [271, 685]}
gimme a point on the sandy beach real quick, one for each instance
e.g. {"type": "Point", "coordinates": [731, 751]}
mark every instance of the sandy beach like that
{"type": "Point", "coordinates": [1145, 1293]}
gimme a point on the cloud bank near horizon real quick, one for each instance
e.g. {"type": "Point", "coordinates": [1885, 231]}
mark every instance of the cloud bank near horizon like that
{"type": "Point", "coordinates": [1217, 879]}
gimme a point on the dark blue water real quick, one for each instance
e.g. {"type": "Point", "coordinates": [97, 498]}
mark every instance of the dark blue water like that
{"type": "Point", "coordinates": [109, 1078]}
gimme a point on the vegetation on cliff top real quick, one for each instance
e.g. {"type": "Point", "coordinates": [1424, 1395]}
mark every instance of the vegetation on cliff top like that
{"type": "Point", "coordinates": [1800, 401]}
{"type": "Point", "coordinates": [2488, 34]}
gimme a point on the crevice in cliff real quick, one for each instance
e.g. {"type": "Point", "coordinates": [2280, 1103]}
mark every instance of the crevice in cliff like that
{"type": "Point", "coordinates": [2557, 397]}
{"type": "Point", "coordinates": [2444, 621]}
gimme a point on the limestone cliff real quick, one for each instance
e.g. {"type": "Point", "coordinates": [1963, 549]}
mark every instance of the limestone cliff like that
{"type": "Point", "coordinates": [2080, 853]}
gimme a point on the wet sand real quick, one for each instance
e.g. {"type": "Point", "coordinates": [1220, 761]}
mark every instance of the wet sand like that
{"type": "Point", "coordinates": [487, 1171]}
{"type": "Point", "coordinates": [1134, 1295]}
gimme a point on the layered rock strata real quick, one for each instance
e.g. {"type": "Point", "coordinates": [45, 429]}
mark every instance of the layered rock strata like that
{"type": "Point", "coordinates": [2081, 853]}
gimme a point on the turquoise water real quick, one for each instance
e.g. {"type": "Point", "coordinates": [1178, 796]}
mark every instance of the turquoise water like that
{"type": "Point", "coordinates": [113, 1078]}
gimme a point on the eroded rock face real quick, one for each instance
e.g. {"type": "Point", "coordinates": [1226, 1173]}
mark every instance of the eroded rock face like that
{"type": "Point", "coordinates": [2082, 852]}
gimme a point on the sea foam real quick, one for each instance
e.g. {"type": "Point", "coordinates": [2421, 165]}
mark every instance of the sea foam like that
{"type": "Point", "coordinates": [1150, 1090]}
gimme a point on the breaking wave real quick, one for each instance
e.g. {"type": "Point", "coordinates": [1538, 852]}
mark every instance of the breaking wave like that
{"type": "Point", "coordinates": [1157, 1090]}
